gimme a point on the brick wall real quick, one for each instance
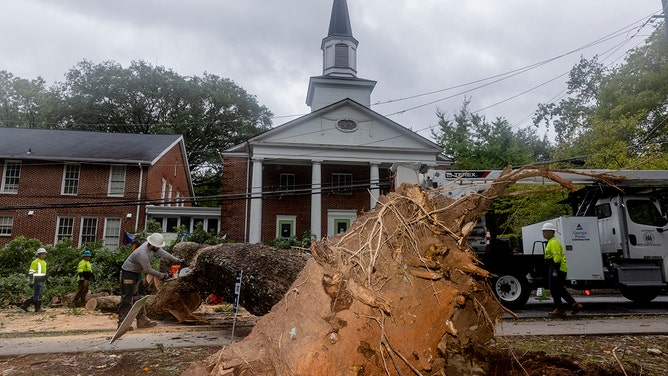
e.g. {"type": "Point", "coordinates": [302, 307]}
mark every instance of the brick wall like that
{"type": "Point", "coordinates": [298, 204]}
{"type": "Point", "coordinates": [40, 187]}
{"type": "Point", "coordinates": [234, 188]}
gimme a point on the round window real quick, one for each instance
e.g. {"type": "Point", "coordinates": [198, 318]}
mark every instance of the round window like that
{"type": "Point", "coordinates": [347, 125]}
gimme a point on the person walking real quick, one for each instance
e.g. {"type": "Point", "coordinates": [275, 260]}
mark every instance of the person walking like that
{"type": "Point", "coordinates": [131, 276]}
{"type": "Point", "coordinates": [85, 276]}
{"type": "Point", "coordinates": [37, 274]}
{"type": "Point", "coordinates": [557, 269]}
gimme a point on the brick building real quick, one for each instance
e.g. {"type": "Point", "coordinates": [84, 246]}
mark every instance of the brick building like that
{"type": "Point", "coordinates": [319, 172]}
{"type": "Point", "coordinates": [90, 186]}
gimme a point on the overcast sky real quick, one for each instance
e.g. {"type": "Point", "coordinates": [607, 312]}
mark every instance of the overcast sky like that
{"type": "Point", "coordinates": [272, 47]}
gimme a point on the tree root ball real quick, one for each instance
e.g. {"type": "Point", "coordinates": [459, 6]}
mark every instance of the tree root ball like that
{"type": "Point", "coordinates": [397, 294]}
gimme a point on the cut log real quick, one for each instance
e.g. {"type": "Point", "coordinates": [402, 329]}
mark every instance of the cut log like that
{"type": "Point", "coordinates": [267, 275]}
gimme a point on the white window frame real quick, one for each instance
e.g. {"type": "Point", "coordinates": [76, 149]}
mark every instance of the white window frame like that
{"type": "Point", "coordinates": [163, 191]}
{"type": "Point", "coordinates": [70, 184]}
{"type": "Point", "coordinates": [169, 195]}
{"type": "Point", "coordinates": [6, 225]}
{"type": "Point", "coordinates": [112, 232]}
{"type": "Point", "coordinates": [282, 219]}
{"type": "Point", "coordinates": [64, 230]}
{"type": "Point", "coordinates": [85, 226]}
{"type": "Point", "coordinates": [10, 183]}
{"type": "Point", "coordinates": [116, 180]}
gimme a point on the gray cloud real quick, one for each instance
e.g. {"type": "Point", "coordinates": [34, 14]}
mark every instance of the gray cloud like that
{"type": "Point", "coordinates": [271, 48]}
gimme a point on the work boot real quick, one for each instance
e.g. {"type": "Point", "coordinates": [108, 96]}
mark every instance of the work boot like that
{"type": "Point", "coordinates": [576, 307]}
{"type": "Point", "coordinates": [38, 307]}
{"type": "Point", "coordinates": [558, 312]}
{"type": "Point", "coordinates": [145, 323]}
{"type": "Point", "coordinates": [27, 303]}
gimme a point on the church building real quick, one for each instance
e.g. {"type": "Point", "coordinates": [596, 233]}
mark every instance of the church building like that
{"type": "Point", "coordinates": [319, 172]}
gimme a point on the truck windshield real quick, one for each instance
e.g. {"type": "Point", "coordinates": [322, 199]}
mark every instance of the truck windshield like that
{"type": "Point", "coordinates": [644, 212]}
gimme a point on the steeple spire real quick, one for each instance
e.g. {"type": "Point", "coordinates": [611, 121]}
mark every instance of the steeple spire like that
{"type": "Point", "coordinates": [339, 23]}
{"type": "Point", "coordinates": [340, 47]}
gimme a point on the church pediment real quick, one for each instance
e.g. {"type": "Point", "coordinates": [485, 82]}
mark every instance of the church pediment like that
{"type": "Point", "coordinates": [345, 130]}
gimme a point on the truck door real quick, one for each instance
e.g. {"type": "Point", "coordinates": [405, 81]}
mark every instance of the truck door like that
{"type": "Point", "coordinates": [644, 241]}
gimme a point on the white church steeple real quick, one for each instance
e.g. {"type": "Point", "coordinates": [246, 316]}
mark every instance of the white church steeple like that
{"type": "Point", "coordinates": [339, 79]}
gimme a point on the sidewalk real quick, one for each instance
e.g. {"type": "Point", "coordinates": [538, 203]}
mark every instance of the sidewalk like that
{"type": "Point", "coordinates": [582, 326]}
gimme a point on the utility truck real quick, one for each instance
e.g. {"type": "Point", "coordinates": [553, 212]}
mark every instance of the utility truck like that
{"type": "Point", "coordinates": [616, 238]}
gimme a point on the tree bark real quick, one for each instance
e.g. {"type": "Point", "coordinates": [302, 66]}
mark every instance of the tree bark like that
{"type": "Point", "coordinates": [267, 275]}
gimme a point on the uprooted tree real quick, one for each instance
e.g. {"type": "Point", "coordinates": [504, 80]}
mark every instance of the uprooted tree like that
{"type": "Point", "coordinates": [399, 293]}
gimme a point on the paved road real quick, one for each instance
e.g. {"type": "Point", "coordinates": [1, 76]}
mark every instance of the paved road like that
{"type": "Point", "coordinates": [602, 314]}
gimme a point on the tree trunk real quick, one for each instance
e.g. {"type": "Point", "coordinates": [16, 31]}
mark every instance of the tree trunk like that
{"type": "Point", "coordinates": [267, 274]}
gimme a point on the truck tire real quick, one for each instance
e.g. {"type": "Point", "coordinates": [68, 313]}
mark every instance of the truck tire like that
{"type": "Point", "coordinates": [640, 295]}
{"type": "Point", "coordinates": [513, 290]}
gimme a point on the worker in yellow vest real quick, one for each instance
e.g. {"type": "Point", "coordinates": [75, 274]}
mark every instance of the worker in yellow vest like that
{"type": "Point", "coordinates": [37, 274]}
{"type": "Point", "coordinates": [84, 277]}
{"type": "Point", "coordinates": [557, 269]}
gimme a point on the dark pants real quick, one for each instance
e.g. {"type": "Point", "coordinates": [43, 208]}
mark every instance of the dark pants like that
{"type": "Point", "coordinates": [130, 284]}
{"type": "Point", "coordinates": [82, 291]}
{"type": "Point", "coordinates": [557, 282]}
{"type": "Point", "coordinates": [37, 289]}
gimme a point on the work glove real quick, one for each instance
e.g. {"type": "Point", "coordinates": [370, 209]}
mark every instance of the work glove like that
{"type": "Point", "coordinates": [182, 262]}
{"type": "Point", "coordinates": [165, 276]}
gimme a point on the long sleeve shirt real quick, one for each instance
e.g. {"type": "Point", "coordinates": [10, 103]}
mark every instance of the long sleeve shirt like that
{"type": "Point", "coordinates": [554, 253]}
{"type": "Point", "coordinates": [139, 260]}
{"type": "Point", "coordinates": [38, 269]}
{"type": "Point", "coordinates": [84, 267]}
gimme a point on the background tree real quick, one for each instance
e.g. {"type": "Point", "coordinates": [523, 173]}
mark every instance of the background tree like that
{"type": "Point", "coordinates": [24, 103]}
{"type": "Point", "coordinates": [616, 116]}
{"type": "Point", "coordinates": [475, 143]}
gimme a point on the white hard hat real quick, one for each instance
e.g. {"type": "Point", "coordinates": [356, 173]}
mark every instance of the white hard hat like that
{"type": "Point", "coordinates": [548, 226]}
{"type": "Point", "coordinates": [156, 240]}
{"type": "Point", "coordinates": [40, 250]}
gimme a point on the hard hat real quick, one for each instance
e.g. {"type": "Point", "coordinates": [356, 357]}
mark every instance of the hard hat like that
{"type": "Point", "coordinates": [156, 240]}
{"type": "Point", "coordinates": [40, 251]}
{"type": "Point", "coordinates": [86, 254]}
{"type": "Point", "coordinates": [548, 226]}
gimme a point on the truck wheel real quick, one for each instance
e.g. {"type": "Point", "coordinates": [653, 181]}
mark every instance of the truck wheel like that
{"type": "Point", "coordinates": [513, 290]}
{"type": "Point", "coordinates": [640, 295]}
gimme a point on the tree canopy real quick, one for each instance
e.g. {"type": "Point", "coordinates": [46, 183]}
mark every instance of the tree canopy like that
{"type": "Point", "coordinates": [475, 143]}
{"type": "Point", "coordinates": [615, 116]}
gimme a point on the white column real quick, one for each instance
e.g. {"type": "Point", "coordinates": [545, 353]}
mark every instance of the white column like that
{"type": "Point", "coordinates": [316, 199]}
{"type": "Point", "coordinates": [255, 228]}
{"type": "Point", "coordinates": [375, 184]}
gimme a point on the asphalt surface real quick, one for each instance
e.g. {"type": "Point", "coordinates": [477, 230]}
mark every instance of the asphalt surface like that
{"type": "Point", "coordinates": [604, 315]}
